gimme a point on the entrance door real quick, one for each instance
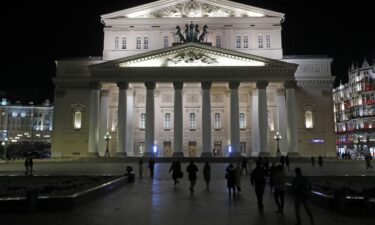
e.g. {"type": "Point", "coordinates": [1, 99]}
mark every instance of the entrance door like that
{"type": "Point", "coordinates": [167, 149]}
{"type": "Point", "coordinates": [192, 148]}
{"type": "Point", "coordinates": [217, 148]}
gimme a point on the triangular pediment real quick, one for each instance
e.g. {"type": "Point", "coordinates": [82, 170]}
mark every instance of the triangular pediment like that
{"type": "Point", "coordinates": [192, 9]}
{"type": "Point", "coordinates": [193, 55]}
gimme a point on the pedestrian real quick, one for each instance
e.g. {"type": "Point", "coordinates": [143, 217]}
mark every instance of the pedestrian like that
{"type": "Point", "coordinates": [301, 188]}
{"type": "Point", "coordinates": [192, 170]}
{"type": "Point", "coordinates": [279, 181]}
{"type": "Point", "coordinates": [258, 179]}
{"type": "Point", "coordinates": [271, 173]}
{"type": "Point", "coordinates": [151, 166]}
{"type": "Point", "coordinates": [176, 171]}
{"type": "Point", "coordinates": [26, 166]}
{"type": "Point", "coordinates": [140, 167]}
{"type": "Point", "coordinates": [31, 164]}
{"type": "Point", "coordinates": [237, 177]}
{"type": "Point", "coordinates": [207, 174]}
{"type": "Point", "coordinates": [313, 161]}
{"type": "Point", "coordinates": [368, 159]}
{"type": "Point", "coordinates": [266, 164]}
{"type": "Point", "coordinates": [244, 164]}
{"type": "Point", "coordinates": [230, 176]}
{"type": "Point", "coordinates": [320, 161]}
{"type": "Point", "coordinates": [287, 162]}
{"type": "Point", "coordinates": [282, 161]}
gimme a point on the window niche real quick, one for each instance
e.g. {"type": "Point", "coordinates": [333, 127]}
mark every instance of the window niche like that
{"type": "Point", "coordinates": [308, 115]}
{"type": "Point", "coordinates": [77, 115]}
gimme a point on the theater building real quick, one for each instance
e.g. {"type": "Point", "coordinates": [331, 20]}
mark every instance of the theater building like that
{"type": "Point", "coordinates": [193, 78]}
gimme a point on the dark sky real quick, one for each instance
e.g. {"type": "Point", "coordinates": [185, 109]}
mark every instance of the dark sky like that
{"type": "Point", "coordinates": [36, 33]}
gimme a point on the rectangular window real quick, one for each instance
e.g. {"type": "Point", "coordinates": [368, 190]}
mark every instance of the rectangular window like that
{"type": "Point", "coordinates": [246, 41]}
{"type": "Point", "coordinates": [142, 124]}
{"type": "Point", "coordinates": [139, 42]}
{"type": "Point", "coordinates": [117, 42]}
{"type": "Point", "coordinates": [268, 41]}
{"type": "Point", "coordinates": [218, 41]}
{"type": "Point", "coordinates": [166, 42]}
{"type": "Point", "coordinates": [145, 43]}
{"type": "Point", "coordinates": [167, 121]}
{"type": "Point", "coordinates": [260, 41]}
{"type": "Point", "coordinates": [242, 121]}
{"type": "Point", "coordinates": [142, 147]}
{"type": "Point", "coordinates": [193, 121]}
{"type": "Point", "coordinates": [217, 121]}
{"type": "Point", "coordinates": [124, 42]}
{"type": "Point", "coordinates": [238, 41]}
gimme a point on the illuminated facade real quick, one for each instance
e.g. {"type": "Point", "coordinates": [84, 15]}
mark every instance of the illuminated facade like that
{"type": "Point", "coordinates": [354, 107]}
{"type": "Point", "coordinates": [25, 123]}
{"type": "Point", "coordinates": [193, 78]}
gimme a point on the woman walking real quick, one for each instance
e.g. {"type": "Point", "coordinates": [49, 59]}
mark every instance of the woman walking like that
{"type": "Point", "coordinates": [207, 174]}
{"type": "Point", "coordinates": [176, 171]}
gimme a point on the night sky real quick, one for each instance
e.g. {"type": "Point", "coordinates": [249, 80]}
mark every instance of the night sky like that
{"type": "Point", "coordinates": [35, 33]}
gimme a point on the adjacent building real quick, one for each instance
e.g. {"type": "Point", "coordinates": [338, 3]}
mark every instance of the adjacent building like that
{"type": "Point", "coordinates": [354, 109]}
{"type": "Point", "coordinates": [193, 78]}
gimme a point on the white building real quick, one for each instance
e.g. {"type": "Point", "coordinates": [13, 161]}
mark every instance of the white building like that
{"type": "Point", "coordinates": [225, 92]}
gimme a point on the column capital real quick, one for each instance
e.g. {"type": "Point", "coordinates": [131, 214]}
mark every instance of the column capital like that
{"type": "Point", "coordinates": [280, 91]}
{"type": "Point", "coordinates": [150, 85]}
{"type": "Point", "coordinates": [178, 85]}
{"type": "Point", "coordinates": [206, 84]}
{"type": "Point", "coordinates": [123, 85]}
{"type": "Point", "coordinates": [262, 84]}
{"type": "Point", "coordinates": [104, 92]}
{"type": "Point", "coordinates": [290, 84]}
{"type": "Point", "coordinates": [234, 84]}
{"type": "Point", "coordinates": [95, 85]}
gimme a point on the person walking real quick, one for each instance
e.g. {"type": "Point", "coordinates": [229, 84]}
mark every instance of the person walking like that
{"type": "Point", "coordinates": [31, 163]}
{"type": "Point", "coordinates": [287, 163]}
{"type": "Point", "coordinates": [266, 164]}
{"type": "Point", "coordinates": [140, 167]}
{"type": "Point", "coordinates": [272, 171]}
{"type": "Point", "coordinates": [313, 161]}
{"type": "Point", "coordinates": [230, 176]}
{"type": "Point", "coordinates": [244, 165]}
{"type": "Point", "coordinates": [151, 166]}
{"type": "Point", "coordinates": [282, 161]}
{"type": "Point", "coordinates": [320, 161]}
{"type": "Point", "coordinates": [258, 179]}
{"type": "Point", "coordinates": [26, 166]}
{"type": "Point", "coordinates": [176, 171]}
{"type": "Point", "coordinates": [192, 170]}
{"type": "Point", "coordinates": [207, 174]}
{"type": "Point", "coordinates": [279, 181]}
{"type": "Point", "coordinates": [301, 188]}
{"type": "Point", "coordinates": [237, 177]}
{"type": "Point", "coordinates": [368, 159]}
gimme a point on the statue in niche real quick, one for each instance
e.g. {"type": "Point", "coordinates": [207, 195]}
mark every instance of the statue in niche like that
{"type": "Point", "coordinates": [181, 38]}
{"type": "Point", "coordinates": [203, 36]}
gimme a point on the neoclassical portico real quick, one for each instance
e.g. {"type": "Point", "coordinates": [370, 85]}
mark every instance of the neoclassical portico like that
{"type": "Point", "coordinates": [254, 70]}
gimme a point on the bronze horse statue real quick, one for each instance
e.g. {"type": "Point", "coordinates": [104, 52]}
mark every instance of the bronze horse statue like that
{"type": "Point", "coordinates": [179, 34]}
{"type": "Point", "coordinates": [204, 34]}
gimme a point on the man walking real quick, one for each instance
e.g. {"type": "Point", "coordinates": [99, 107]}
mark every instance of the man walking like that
{"type": "Point", "coordinates": [258, 179]}
{"type": "Point", "coordinates": [279, 182]}
{"type": "Point", "coordinates": [151, 166]}
{"type": "Point", "coordinates": [301, 188]}
{"type": "Point", "coordinates": [192, 170]}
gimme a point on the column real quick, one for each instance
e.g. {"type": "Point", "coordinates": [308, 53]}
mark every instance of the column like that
{"type": "Point", "coordinates": [150, 118]}
{"type": "Point", "coordinates": [254, 123]}
{"type": "Point", "coordinates": [282, 120]}
{"type": "Point", "coordinates": [292, 138]}
{"type": "Point", "coordinates": [178, 120]}
{"type": "Point", "coordinates": [103, 121]}
{"type": "Point", "coordinates": [263, 118]}
{"type": "Point", "coordinates": [121, 118]}
{"type": "Point", "coordinates": [234, 119]}
{"type": "Point", "coordinates": [94, 120]}
{"type": "Point", "coordinates": [130, 123]}
{"type": "Point", "coordinates": [206, 119]}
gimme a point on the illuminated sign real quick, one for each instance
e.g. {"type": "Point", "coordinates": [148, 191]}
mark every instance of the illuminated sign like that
{"type": "Point", "coordinates": [317, 141]}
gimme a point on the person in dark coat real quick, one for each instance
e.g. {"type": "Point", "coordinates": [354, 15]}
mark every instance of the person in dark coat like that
{"type": "Point", "coordinates": [207, 174]}
{"type": "Point", "coordinates": [271, 173]}
{"type": "Point", "coordinates": [230, 176]}
{"type": "Point", "coordinates": [176, 171]}
{"type": "Point", "coordinates": [258, 179]}
{"type": "Point", "coordinates": [192, 170]}
{"type": "Point", "coordinates": [287, 162]}
{"type": "Point", "coordinates": [282, 161]}
{"type": "Point", "coordinates": [31, 164]}
{"type": "Point", "coordinates": [244, 164]}
{"type": "Point", "coordinates": [313, 161]}
{"type": "Point", "coordinates": [279, 181]}
{"type": "Point", "coordinates": [301, 188]}
{"type": "Point", "coordinates": [27, 166]}
{"type": "Point", "coordinates": [140, 167]}
{"type": "Point", "coordinates": [151, 166]}
{"type": "Point", "coordinates": [320, 161]}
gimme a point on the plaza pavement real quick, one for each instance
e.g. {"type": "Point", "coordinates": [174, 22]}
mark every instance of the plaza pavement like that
{"type": "Point", "coordinates": [155, 201]}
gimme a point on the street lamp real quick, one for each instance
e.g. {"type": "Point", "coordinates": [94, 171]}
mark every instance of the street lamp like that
{"type": "Point", "coordinates": [4, 144]}
{"type": "Point", "coordinates": [107, 138]}
{"type": "Point", "coordinates": [278, 137]}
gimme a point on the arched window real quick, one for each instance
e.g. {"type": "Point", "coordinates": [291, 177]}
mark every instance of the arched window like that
{"type": "Point", "coordinates": [268, 41]}
{"type": "Point", "coordinates": [245, 41]}
{"type": "Point", "coordinates": [166, 42]}
{"type": "Point", "coordinates": [77, 120]}
{"type": "Point", "coordinates": [271, 123]}
{"type": "Point", "coordinates": [218, 41]}
{"type": "Point", "coordinates": [217, 121]}
{"type": "Point", "coordinates": [123, 46]}
{"type": "Point", "coordinates": [260, 40]}
{"type": "Point", "coordinates": [139, 42]}
{"type": "Point", "coordinates": [142, 124]}
{"type": "Point", "coordinates": [242, 121]}
{"type": "Point", "coordinates": [309, 120]}
{"type": "Point", "coordinates": [193, 121]}
{"type": "Point", "coordinates": [238, 41]}
{"type": "Point", "coordinates": [117, 42]}
{"type": "Point", "coordinates": [167, 121]}
{"type": "Point", "coordinates": [145, 43]}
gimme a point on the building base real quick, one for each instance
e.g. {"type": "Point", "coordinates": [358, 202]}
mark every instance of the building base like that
{"type": "Point", "coordinates": [178, 154]}
{"type": "Point", "coordinates": [119, 154]}
{"type": "Point", "coordinates": [264, 154]}
{"type": "Point", "coordinates": [148, 154]}
{"type": "Point", "coordinates": [92, 154]}
{"type": "Point", "coordinates": [206, 154]}
{"type": "Point", "coordinates": [293, 154]}
{"type": "Point", "coordinates": [235, 154]}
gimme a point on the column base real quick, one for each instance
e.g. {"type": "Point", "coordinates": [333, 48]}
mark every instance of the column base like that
{"type": "Point", "coordinates": [235, 154]}
{"type": "Point", "coordinates": [206, 154]}
{"type": "Point", "coordinates": [264, 154]}
{"type": "Point", "coordinates": [178, 154]}
{"type": "Point", "coordinates": [148, 154]}
{"type": "Point", "coordinates": [92, 154]}
{"type": "Point", "coordinates": [293, 154]}
{"type": "Point", "coordinates": [119, 154]}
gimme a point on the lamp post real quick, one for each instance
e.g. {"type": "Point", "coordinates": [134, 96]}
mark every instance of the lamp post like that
{"type": "Point", "coordinates": [4, 144]}
{"type": "Point", "coordinates": [107, 138]}
{"type": "Point", "coordinates": [278, 137]}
